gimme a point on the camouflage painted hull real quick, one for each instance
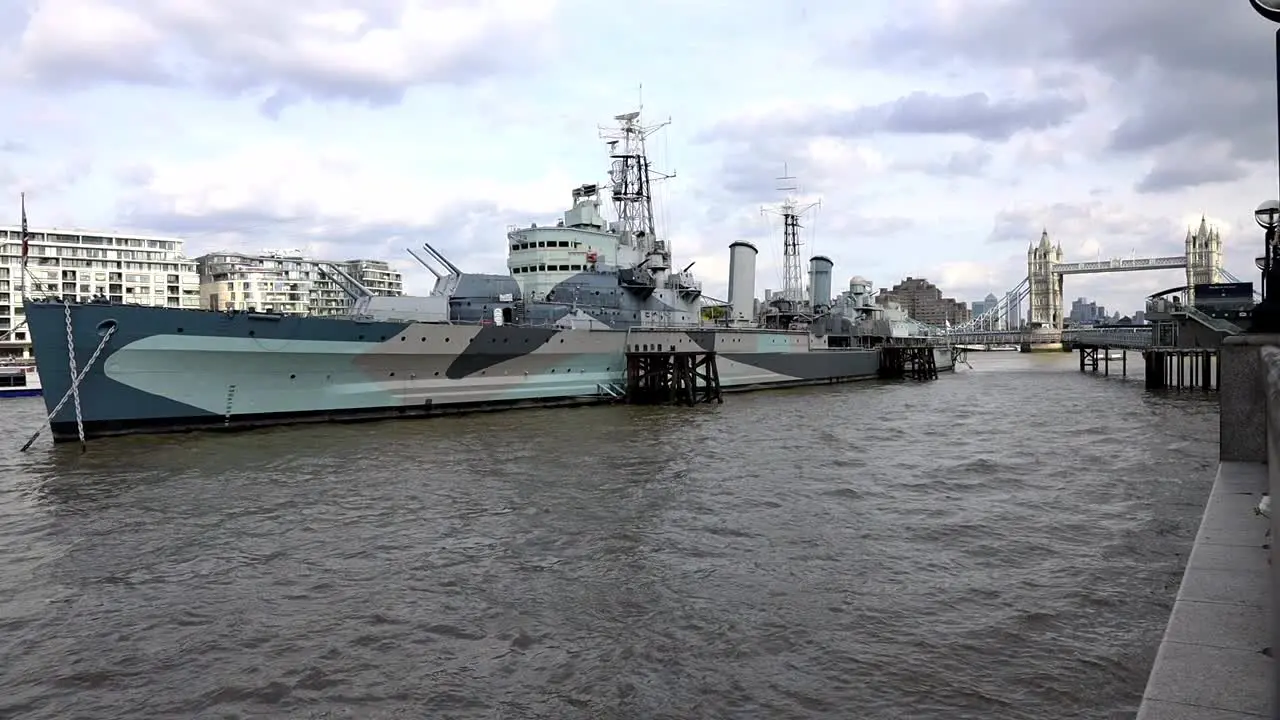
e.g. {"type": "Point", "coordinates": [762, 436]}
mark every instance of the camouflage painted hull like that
{"type": "Point", "coordinates": [166, 370]}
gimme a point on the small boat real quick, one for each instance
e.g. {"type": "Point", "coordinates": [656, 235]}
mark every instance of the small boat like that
{"type": "Point", "coordinates": [19, 378]}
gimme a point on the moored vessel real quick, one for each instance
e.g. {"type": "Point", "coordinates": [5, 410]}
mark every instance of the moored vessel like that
{"type": "Point", "coordinates": [19, 377]}
{"type": "Point", "coordinates": [554, 330]}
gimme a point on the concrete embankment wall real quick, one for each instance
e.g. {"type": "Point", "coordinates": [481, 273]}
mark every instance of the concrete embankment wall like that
{"type": "Point", "coordinates": [1214, 661]}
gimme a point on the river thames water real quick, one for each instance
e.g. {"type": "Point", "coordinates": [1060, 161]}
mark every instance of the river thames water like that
{"type": "Point", "coordinates": [1005, 542]}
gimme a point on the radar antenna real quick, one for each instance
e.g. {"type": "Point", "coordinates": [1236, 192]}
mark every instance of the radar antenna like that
{"type": "Point", "coordinates": [630, 177]}
{"type": "Point", "coordinates": [790, 211]}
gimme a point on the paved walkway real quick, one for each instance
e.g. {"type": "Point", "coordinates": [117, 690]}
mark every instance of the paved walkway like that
{"type": "Point", "coordinates": [1210, 665]}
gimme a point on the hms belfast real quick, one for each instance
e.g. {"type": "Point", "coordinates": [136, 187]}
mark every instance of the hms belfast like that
{"type": "Point", "coordinates": [555, 330]}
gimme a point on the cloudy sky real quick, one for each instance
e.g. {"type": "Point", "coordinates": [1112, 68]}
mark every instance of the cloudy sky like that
{"type": "Point", "coordinates": [940, 135]}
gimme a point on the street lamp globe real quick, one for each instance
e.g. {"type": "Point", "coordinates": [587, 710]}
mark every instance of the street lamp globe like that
{"type": "Point", "coordinates": [1268, 213]}
{"type": "Point", "coordinates": [1269, 9]}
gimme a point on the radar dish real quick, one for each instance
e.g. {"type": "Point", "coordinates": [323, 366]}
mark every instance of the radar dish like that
{"type": "Point", "coordinates": [627, 117]}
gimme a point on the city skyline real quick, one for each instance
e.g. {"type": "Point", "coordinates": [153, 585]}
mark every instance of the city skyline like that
{"type": "Point", "coordinates": [322, 125]}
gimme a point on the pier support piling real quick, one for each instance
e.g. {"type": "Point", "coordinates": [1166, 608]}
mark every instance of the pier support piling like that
{"type": "Point", "coordinates": [1091, 360]}
{"type": "Point", "coordinates": [1181, 368]}
{"type": "Point", "coordinates": [672, 378]}
{"type": "Point", "coordinates": [913, 362]}
{"type": "Point", "coordinates": [1088, 358]}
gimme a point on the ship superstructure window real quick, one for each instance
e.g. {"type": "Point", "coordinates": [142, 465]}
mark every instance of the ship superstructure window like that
{"type": "Point", "coordinates": [573, 244]}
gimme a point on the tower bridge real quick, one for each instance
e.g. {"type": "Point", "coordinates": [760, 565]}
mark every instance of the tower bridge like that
{"type": "Point", "coordinates": [1040, 292]}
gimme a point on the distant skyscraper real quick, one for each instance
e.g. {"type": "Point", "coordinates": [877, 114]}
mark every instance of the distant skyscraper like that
{"type": "Point", "coordinates": [982, 306]}
{"type": "Point", "coordinates": [1086, 312]}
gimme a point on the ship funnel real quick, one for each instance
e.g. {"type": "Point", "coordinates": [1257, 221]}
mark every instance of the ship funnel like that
{"type": "Point", "coordinates": [742, 281]}
{"type": "Point", "coordinates": [820, 281]}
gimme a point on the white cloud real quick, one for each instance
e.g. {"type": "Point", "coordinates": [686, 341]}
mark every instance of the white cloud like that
{"type": "Point", "coordinates": [395, 118]}
{"type": "Point", "coordinates": [294, 180]}
{"type": "Point", "coordinates": [371, 51]}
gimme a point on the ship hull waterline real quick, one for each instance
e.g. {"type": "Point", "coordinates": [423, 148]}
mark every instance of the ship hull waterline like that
{"type": "Point", "coordinates": [167, 370]}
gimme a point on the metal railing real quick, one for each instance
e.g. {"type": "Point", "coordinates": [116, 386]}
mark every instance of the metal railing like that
{"type": "Point", "coordinates": [1212, 323]}
{"type": "Point", "coordinates": [1136, 337]}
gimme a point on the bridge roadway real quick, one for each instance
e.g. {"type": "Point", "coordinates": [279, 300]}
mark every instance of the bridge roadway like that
{"type": "Point", "coordinates": [1134, 337]}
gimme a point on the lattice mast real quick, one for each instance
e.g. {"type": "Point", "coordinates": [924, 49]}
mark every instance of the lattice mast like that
{"type": "Point", "coordinates": [791, 212]}
{"type": "Point", "coordinates": [630, 178]}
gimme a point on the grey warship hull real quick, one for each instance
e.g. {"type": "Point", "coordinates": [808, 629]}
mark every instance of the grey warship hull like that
{"type": "Point", "coordinates": [555, 329]}
{"type": "Point", "coordinates": [168, 369]}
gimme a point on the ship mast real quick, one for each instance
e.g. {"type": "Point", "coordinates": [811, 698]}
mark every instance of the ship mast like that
{"type": "Point", "coordinates": [630, 178]}
{"type": "Point", "coordinates": [792, 273]}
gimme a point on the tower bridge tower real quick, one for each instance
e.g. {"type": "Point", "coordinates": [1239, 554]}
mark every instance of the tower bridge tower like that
{"type": "Point", "coordinates": [1204, 257]}
{"type": "Point", "coordinates": [1045, 285]}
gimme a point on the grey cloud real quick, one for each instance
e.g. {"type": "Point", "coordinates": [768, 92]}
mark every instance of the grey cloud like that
{"type": "Point", "coordinates": [44, 180]}
{"type": "Point", "coordinates": [748, 171]}
{"type": "Point", "coordinates": [855, 227]}
{"type": "Point", "coordinates": [1187, 70]}
{"type": "Point", "coordinates": [757, 157]}
{"type": "Point", "coordinates": [13, 147]}
{"type": "Point", "coordinates": [135, 176]}
{"type": "Point", "coordinates": [969, 162]}
{"type": "Point", "coordinates": [1177, 171]}
{"type": "Point", "coordinates": [972, 162]}
{"type": "Point", "coordinates": [246, 46]}
{"type": "Point", "coordinates": [471, 235]}
{"type": "Point", "coordinates": [974, 115]}
{"type": "Point", "coordinates": [1072, 224]}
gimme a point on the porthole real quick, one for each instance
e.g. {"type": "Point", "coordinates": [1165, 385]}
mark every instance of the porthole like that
{"type": "Point", "coordinates": [293, 377]}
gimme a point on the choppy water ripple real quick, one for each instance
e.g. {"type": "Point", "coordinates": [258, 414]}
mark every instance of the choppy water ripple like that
{"type": "Point", "coordinates": [1004, 543]}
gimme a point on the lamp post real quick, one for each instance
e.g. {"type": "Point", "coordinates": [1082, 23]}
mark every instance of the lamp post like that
{"type": "Point", "coordinates": [1266, 316]}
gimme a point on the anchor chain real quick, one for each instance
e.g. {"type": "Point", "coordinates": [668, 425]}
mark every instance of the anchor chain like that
{"type": "Point", "coordinates": [71, 361]}
{"type": "Point", "coordinates": [76, 377]}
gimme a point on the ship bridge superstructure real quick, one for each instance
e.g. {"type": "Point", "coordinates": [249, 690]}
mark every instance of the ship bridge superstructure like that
{"type": "Point", "coordinates": [588, 269]}
{"type": "Point", "coordinates": [539, 258]}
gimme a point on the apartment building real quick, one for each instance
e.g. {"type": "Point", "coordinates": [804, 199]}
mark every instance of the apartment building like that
{"type": "Point", "coordinates": [83, 264]}
{"type": "Point", "coordinates": [924, 302]}
{"type": "Point", "coordinates": [377, 275]}
{"type": "Point", "coordinates": [286, 281]}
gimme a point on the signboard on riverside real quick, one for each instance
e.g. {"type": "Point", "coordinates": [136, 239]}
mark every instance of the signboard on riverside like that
{"type": "Point", "coordinates": [1224, 291]}
{"type": "Point", "coordinates": [1224, 300]}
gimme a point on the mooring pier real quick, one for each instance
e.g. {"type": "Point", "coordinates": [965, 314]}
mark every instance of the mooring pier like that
{"type": "Point", "coordinates": [912, 362]}
{"type": "Point", "coordinates": [1165, 366]}
{"type": "Point", "coordinates": [671, 368]}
